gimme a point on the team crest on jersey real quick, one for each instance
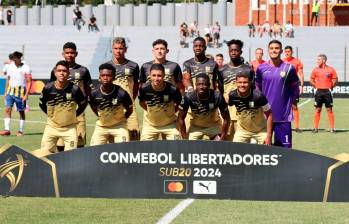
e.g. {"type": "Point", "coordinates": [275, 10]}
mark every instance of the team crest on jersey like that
{"type": "Point", "coordinates": [207, 69]}
{"type": "Point", "coordinates": [166, 98]}
{"type": "Point", "coordinates": [77, 75]}
{"type": "Point", "coordinates": [283, 74]}
{"type": "Point", "coordinates": [210, 106]}
{"type": "Point", "coordinates": [114, 101]}
{"type": "Point", "coordinates": [68, 96]}
{"type": "Point", "coordinates": [167, 71]}
{"type": "Point", "coordinates": [251, 104]}
{"type": "Point", "coordinates": [127, 71]}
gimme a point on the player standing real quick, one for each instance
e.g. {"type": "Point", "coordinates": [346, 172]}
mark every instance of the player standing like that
{"type": "Point", "coordinates": [127, 74]}
{"type": "Point", "coordinates": [204, 104]}
{"type": "Point", "coordinates": [63, 102]}
{"type": "Point", "coordinates": [200, 63]}
{"type": "Point", "coordinates": [229, 71]}
{"type": "Point", "coordinates": [298, 65]}
{"type": "Point", "coordinates": [113, 105]}
{"type": "Point", "coordinates": [219, 59]}
{"type": "Point", "coordinates": [279, 82]}
{"type": "Point", "coordinates": [259, 59]}
{"type": "Point", "coordinates": [18, 84]}
{"type": "Point", "coordinates": [81, 77]}
{"type": "Point", "coordinates": [254, 112]}
{"type": "Point", "coordinates": [323, 78]}
{"type": "Point", "coordinates": [160, 101]}
{"type": "Point", "coordinates": [173, 72]}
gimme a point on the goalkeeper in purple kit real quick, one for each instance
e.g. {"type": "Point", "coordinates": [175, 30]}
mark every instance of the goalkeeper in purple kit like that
{"type": "Point", "coordinates": [280, 84]}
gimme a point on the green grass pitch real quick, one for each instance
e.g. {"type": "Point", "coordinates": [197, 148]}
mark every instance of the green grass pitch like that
{"type": "Point", "coordinates": [68, 210]}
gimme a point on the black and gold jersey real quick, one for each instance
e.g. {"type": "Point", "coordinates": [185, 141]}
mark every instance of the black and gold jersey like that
{"type": "Point", "coordinates": [62, 106]}
{"type": "Point", "coordinates": [229, 81]}
{"type": "Point", "coordinates": [79, 75]}
{"type": "Point", "coordinates": [110, 107]}
{"type": "Point", "coordinates": [127, 75]}
{"type": "Point", "coordinates": [250, 109]}
{"type": "Point", "coordinates": [204, 113]}
{"type": "Point", "coordinates": [229, 73]}
{"type": "Point", "coordinates": [209, 66]}
{"type": "Point", "coordinates": [173, 73]}
{"type": "Point", "coordinates": [161, 105]}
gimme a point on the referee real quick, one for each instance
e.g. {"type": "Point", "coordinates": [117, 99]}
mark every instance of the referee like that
{"type": "Point", "coordinates": [323, 78]}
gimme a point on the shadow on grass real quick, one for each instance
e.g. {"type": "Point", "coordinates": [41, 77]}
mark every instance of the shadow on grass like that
{"type": "Point", "coordinates": [34, 133]}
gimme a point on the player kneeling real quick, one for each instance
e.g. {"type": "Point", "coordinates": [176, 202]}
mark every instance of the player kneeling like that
{"type": "Point", "coordinates": [62, 101]}
{"type": "Point", "coordinates": [204, 104]}
{"type": "Point", "coordinates": [112, 105]}
{"type": "Point", "coordinates": [251, 106]}
{"type": "Point", "coordinates": [160, 101]}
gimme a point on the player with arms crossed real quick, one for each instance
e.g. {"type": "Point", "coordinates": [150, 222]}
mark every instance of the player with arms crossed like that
{"type": "Point", "coordinates": [18, 84]}
{"type": "Point", "coordinates": [200, 63]}
{"type": "Point", "coordinates": [323, 78]}
{"type": "Point", "coordinates": [173, 72]}
{"type": "Point", "coordinates": [279, 82]}
{"type": "Point", "coordinates": [127, 74]}
{"type": "Point", "coordinates": [204, 104]}
{"type": "Point", "coordinates": [112, 105]}
{"type": "Point", "coordinates": [298, 65]}
{"type": "Point", "coordinates": [63, 102]}
{"type": "Point", "coordinates": [160, 101]}
{"type": "Point", "coordinates": [229, 71]}
{"type": "Point", "coordinates": [251, 107]}
{"type": "Point", "coordinates": [81, 77]}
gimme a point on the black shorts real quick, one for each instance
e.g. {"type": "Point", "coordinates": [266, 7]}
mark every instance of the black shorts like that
{"type": "Point", "coordinates": [216, 36]}
{"type": "Point", "coordinates": [323, 96]}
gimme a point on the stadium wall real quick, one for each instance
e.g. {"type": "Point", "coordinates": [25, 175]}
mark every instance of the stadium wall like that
{"type": "Point", "coordinates": [297, 12]}
{"type": "Point", "coordinates": [170, 14]}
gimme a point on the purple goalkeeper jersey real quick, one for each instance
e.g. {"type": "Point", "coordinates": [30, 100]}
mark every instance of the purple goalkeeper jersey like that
{"type": "Point", "coordinates": [281, 87]}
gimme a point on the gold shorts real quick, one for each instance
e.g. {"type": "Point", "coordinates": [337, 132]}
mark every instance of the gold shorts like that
{"type": "Point", "coordinates": [242, 135]}
{"type": "Point", "coordinates": [52, 134]}
{"type": "Point", "coordinates": [101, 135]}
{"type": "Point", "coordinates": [80, 131]}
{"type": "Point", "coordinates": [168, 132]}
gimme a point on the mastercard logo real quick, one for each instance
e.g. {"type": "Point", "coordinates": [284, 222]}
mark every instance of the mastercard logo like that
{"type": "Point", "coordinates": [175, 186]}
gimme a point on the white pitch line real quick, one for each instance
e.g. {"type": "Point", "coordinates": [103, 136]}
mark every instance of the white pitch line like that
{"type": "Point", "coordinates": [303, 103]}
{"type": "Point", "coordinates": [171, 215]}
{"type": "Point", "coordinates": [42, 122]}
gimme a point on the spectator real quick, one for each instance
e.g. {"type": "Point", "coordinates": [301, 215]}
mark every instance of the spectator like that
{"type": "Point", "coordinates": [183, 34]}
{"type": "Point", "coordinates": [92, 26]}
{"type": "Point", "coordinates": [251, 29]}
{"type": "Point", "coordinates": [265, 28]}
{"type": "Point", "coordinates": [2, 22]}
{"type": "Point", "coordinates": [289, 31]}
{"type": "Point", "coordinates": [194, 30]}
{"type": "Point", "coordinates": [208, 35]}
{"type": "Point", "coordinates": [78, 18]}
{"type": "Point", "coordinates": [9, 14]}
{"type": "Point", "coordinates": [277, 30]}
{"type": "Point", "coordinates": [315, 12]}
{"type": "Point", "coordinates": [216, 29]}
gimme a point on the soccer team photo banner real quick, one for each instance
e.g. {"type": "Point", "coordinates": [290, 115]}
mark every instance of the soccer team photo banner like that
{"type": "Point", "coordinates": [176, 169]}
